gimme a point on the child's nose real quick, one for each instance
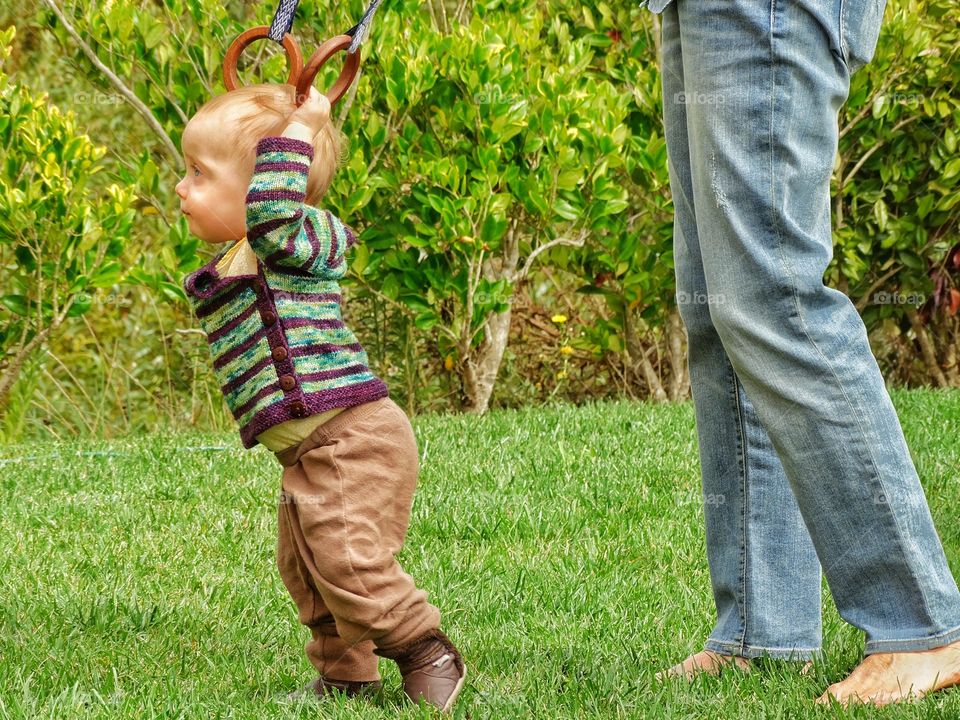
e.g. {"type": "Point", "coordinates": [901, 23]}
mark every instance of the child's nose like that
{"type": "Point", "coordinates": [179, 188]}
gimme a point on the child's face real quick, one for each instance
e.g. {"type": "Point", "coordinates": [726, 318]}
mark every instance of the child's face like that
{"type": "Point", "coordinates": [213, 192]}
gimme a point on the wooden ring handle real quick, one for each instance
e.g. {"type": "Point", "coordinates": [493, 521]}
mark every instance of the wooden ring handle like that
{"type": "Point", "coordinates": [294, 56]}
{"type": "Point", "coordinates": [317, 61]}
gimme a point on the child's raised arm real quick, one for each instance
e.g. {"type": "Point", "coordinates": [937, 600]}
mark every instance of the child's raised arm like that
{"type": "Point", "coordinates": [279, 228]}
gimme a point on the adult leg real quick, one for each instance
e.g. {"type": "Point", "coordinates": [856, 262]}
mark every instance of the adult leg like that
{"type": "Point", "coordinates": [762, 146]}
{"type": "Point", "coordinates": [763, 567]}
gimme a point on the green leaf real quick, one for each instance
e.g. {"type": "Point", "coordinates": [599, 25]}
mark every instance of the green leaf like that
{"type": "Point", "coordinates": [952, 169]}
{"type": "Point", "coordinates": [912, 260]}
{"type": "Point", "coordinates": [17, 304]}
{"type": "Point", "coordinates": [565, 210]}
{"type": "Point", "coordinates": [426, 320]}
{"type": "Point", "coordinates": [880, 213]}
{"type": "Point", "coordinates": [107, 275]}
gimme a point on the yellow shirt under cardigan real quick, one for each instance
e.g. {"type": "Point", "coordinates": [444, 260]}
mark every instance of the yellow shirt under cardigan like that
{"type": "Point", "coordinates": [241, 260]}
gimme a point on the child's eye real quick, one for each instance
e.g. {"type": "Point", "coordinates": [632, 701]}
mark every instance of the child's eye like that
{"type": "Point", "coordinates": [197, 169]}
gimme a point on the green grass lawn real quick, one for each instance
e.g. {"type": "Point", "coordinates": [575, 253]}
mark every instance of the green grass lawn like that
{"type": "Point", "coordinates": [564, 547]}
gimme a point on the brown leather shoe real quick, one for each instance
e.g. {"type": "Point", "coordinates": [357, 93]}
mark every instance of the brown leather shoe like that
{"type": "Point", "coordinates": [321, 686]}
{"type": "Point", "coordinates": [432, 669]}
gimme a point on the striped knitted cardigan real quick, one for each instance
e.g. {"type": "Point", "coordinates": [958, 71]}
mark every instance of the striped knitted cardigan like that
{"type": "Point", "coordinates": [279, 345]}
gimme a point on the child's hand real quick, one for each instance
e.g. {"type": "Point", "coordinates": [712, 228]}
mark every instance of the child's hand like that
{"type": "Point", "coordinates": [314, 113]}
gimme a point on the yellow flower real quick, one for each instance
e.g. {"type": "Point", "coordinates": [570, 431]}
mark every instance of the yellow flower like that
{"type": "Point", "coordinates": [559, 319]}
{"type": "Point", "coordinates": [566, 350]}
{"type": "Point", "coordinates": [561, 375]}
{"type": "Point", "coordinates": [448, 362]}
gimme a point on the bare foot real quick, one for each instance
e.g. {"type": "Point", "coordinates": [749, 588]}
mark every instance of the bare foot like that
{"type": "Point", "coordinates": [705, 661]}
{"type": "Point", "coordinates": [884, 678]}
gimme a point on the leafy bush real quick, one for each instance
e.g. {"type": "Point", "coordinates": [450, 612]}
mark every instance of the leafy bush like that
{"type": "Point", "coordinates": [508, 174]}
{"type": "Point", "coordinates": [59, 243]}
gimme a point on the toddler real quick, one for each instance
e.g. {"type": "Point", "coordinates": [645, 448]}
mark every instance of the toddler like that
{"type": "Point", "coordinates": [298, 382]}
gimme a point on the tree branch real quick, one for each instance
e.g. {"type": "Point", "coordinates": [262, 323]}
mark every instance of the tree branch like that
{"type": "Point", "coordinates": [138, 105]}
{"type": "Point", "coordinates": [574, 242]}
{"type": "Point", "coordinates": [865, 298]}
{"type": "Point", "coordinates": [872, 150]}
{"type": "Point", "coordinates": [351, 94]}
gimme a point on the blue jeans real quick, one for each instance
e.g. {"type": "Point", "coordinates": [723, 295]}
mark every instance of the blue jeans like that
{"type": "Point", "coordinates": [803, 459]}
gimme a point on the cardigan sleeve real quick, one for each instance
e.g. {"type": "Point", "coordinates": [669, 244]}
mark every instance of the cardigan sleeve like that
{"type": "Point", "coordinates": [281, 228]}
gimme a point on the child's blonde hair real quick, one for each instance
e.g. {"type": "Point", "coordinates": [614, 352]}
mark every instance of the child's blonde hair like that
{"type": "Point", "coordinates": [252, 112]}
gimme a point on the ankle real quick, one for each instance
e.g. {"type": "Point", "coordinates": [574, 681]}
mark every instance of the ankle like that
{"type": "Point", "coordinates": [422, 651]}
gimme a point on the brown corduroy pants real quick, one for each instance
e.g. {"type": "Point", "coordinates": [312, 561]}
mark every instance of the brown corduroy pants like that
{"type": "Point", "coordinates": [343, 515]}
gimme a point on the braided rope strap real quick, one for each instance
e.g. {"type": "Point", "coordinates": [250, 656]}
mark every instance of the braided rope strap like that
{"type": "Point", "coordinates": [283, 19]}
{"type": "Point", "coordinates": [361, 30]}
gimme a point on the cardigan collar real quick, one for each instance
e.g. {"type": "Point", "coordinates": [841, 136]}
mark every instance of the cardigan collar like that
{"type": "Point", "coordinates": [206, 280]}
